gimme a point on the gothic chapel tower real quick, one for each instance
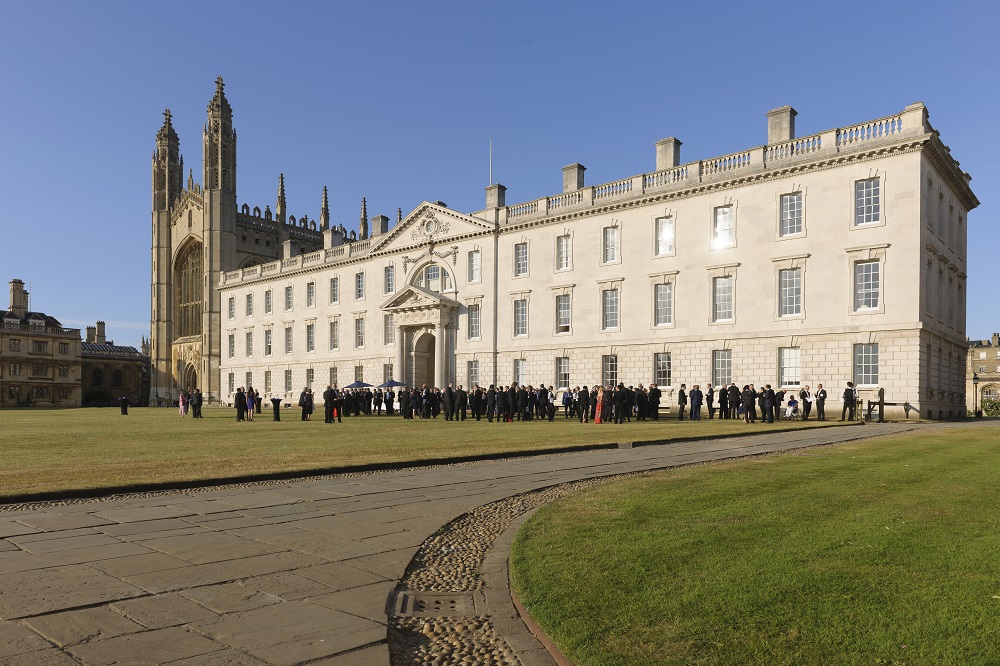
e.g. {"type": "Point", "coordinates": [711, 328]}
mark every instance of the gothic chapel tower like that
{"type": "Point", "coordinates": [194, 238]}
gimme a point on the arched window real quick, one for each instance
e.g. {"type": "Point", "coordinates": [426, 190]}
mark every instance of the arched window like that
{"type": "Point", "coordinates": [434, 278]}
{"type": "Point", "coordinates": [188, 289]}
{"type": "Point", "coordinates": [991, 392]}
{"type": "Point", "coordinates": [116, 379]}
{"type": "Point", "coordinates": [97, 378]}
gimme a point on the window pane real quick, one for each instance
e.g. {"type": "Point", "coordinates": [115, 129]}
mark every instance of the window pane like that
{"type": "Point", "coordinates": [521, 259]}
{"type": "Point", "coordinates": [474, 324]}
{"type": "Point", "coordinates": [722, 367]}
{"type": "Point", "coordinates": [866, 365]}
{"type": "Point", "coordinates": [609, 370]}
{"type": "Point", "coordinates": [311, 294]}
{"type": "Point", "coordinates": [475, 267]}
{"type": "Point", "coordinates": [609, 307]}
{"type": "Point", "coordinates": [791, 214]}
{"type": "Point", "coordinates": [722, 296]}
{"type": "Point", "coordinates": [867, 201]}
{"type": "Point", "coordinates": [866, 285]}
{"type": "Point", "coordinates": [520, 317]}
{"type": "Point", "coordinates": [562, 372]}
{"type": "Point", "coordinates": [310, 337]}
{"type": "Point", "coordinates": [664, 236]}
{"type": "Point", "coordinates": [724, 230]}
{"type": "Point", "coordinates": [334, 290]}
{"type": "Point", "coordinates": [663, 304]}
{"type": "Point", "coordinates": [562, 252]}
{"type": "Point", "coordinates": [661, 369]}
{"type": "Point", "coordinates": [790, 292]}
{"type": "Point", "coordinates": [563, 316]}
{"type": "Point", "coordinates": [788, 366]}
{"type": "Point", "coordinates": [610, 244]}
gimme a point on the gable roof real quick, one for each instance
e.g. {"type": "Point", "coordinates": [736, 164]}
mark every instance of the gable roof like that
{"type": "Point", "coordinates": [413, 297]}
{"type": "Point", "coordinates": [430, 223]}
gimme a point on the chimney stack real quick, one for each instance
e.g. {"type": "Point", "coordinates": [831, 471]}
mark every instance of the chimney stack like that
{"type": "Point", "coordinates": [380, 225]}
{"type": "Point", "coordinates": [668, 154]}
{"type": "Point", "coordinates": [573, 177]}
{"type": "Point", "coordinates": [91, 334]}
{"type": "Point", "coordinates": [781, 125]}
{"type": "Point", "coordinates": [18, 298]}
{"type": "Point", "coordinates": [496, 196]}
{"type": "Point", "coordinates": [101, 338]}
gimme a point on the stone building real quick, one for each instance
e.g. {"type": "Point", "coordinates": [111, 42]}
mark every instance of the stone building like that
{"type": "Point", "coordinates": [39, 358]}
{"type": "Point", "coordinates": [111, 371]}
{"type": "Point", "coordinates": [983, 362]}
{"type": "Point", "coordinates": [827, 258]}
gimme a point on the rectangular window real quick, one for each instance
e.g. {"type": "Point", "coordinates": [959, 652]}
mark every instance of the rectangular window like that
{"type": "Point", "coordinates": [389, 329]}
{"type": "Point", "coordinates": [562, 372]}
{"type": "Point", "coordinates": [722, 367]}
{"type": "Point", "coordinates": [334, 334]}
{"type": "Point", "coordinates": [472, 373]}
{"type": "Point", "coordinates": [664, 236]}
{"type": "Point", "coordinates": [661, 369]}
{"type": "Point", "coordinates": [288, 339]}
{"type": "Point", "coordinates": [333, 376]}
{"type": "Point", "coordinates": [288, 381]}
{"type": "Point", "coordinates": [310, 294]}
{"type": "Point", "coordinates": [564, 252]}
{"type": "Point", "coordinates": [609, 369]}
{"type": "Point", "coordinates": [232, 345]}
{"type": "Point", "coordinates": [663, 304]}
{"type": "Point", "coordinates": [722, 298]}
{"type": "Point", "coordinates": [39, 370]}
{"type": "Point", "coordinates": [14, 345]}
{"type": "Point", "coordinates": [232, 307]}
{"type": "Point", "coordinates": [359, 373]}
{"type": "Point", "coordinates": [520, 372]}
{"type": "Point", "coordinates": [41, 347]}
{"type": "Point", "coordinates": [609, 309]}
{"type": "Point", "coordinates": [64, 371]}
{"type": "Point", "coordinates": [63, 348]}
{"type": "Point", "coordinates": [723, 228]}
{"type": "Point", "coordinates": [521, 259]}
{"type": "Point", "coordinates": [866, 285]}
{"type": "Point", "coordinates": [867, 201]}
{"type": "Point", "coordinates": [309, 377]}
{"type": "Point", "coordinates": [249, 305]}
{"type": "Point", "coordinates": [475, 330]}
{"type": "Point", "coordinates": [267, 302]}
{"type": "Point", "coordinates": [788, 366]}
{"type": "Point", "coordinates": [387, 372]}
{"type": "Point", "coordinates": [64, 393]}
{"type": "Point", "coordinates": [563, 313]}
{"type": "Point", "coordinates": [249, 345]}
{"type": "Point", "coordinates": [475, 266]}
{"type": "Point", "coordinates": [359, 332]}
{"type": "Point", "coordinates": [267, 381]}
{"type": "Point", "coordinates": [790, 292]}
{"type": "Point", "coordinates": [15, 368]}
{"type": "Point", "coordinates": [521, 317]}
{"type": "Point", "coordinates": [232, 383]}
{"type": "Point", "coordinates": [15, 393]}
{"type": "Point", "coordinates": [40, 393]}
{"type": "Point", "coordinates": [267, 342]}
{"type": "Point", "coordinates": [249, 379]}
{"type": "Point", "coordinates": [288, 298]}
{"type": "Point", "coordinates": [335, 290]}
{"type": "Point", "coordinates": [310, 337]}
{"type": "Point", "coordinates": [610, 244]}
{"type": "Point", "coordinates": [791, 214]}
{"type": "Point", "coordinates": [389, 277]}
{"type": "Point", "coordinates": [866, 365]}
{"type": "Point", "coordinates": [359, 286]}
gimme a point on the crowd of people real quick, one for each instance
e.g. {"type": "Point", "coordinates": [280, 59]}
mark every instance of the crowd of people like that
{"type": "Point", "coordinates": [597, 404]}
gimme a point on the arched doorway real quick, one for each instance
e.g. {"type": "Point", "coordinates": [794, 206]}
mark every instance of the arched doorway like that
{"type": "Point", "coordinates": [190, 381]}
{"type": "Point", "coordinates": [423, 360]}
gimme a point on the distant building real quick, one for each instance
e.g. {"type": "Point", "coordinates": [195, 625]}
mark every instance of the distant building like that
{"type": "Point", "coordinates": [112, 371]}
{"type": "Point", "coordinates": [39, 358]}
{"type": "Point", "coordinates": [983, 361]}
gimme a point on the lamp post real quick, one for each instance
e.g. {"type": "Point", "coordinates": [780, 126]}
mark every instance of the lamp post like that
{"type": "Point", "coordinates": [975, 395]}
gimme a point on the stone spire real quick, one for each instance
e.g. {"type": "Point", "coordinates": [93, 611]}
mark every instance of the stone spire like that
{"type": "Point", "coordinates": [219, 150]}
{"type": "Point", "coordinates": [324, 212]}
{"type": "Point", "coordinates": [168, 166]}
{"type": "Point", "coordinates": [279, 208]}
{"type": "Point", "coordinates": [363, 227]}
{"type": "Point", "coordinates": [219, 104]}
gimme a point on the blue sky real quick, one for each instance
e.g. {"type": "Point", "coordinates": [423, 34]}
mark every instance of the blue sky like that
{"type": "Point", "coordinates": [396, 101]}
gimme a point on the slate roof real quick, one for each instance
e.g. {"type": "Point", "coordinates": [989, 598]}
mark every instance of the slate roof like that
{"type": "Point", "coordinates": [31, 317]}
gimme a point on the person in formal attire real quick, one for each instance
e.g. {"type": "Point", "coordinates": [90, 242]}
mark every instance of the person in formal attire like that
{"type": "Point", "coordinates": [779, 398]}
{"type": "Point", "coordinates": [820, 402]}
{"type": "Point", "coordinates": [619, 401]}
{"type": "Point", "coordinates": [749, 401]}
{"type": "Point", "coordinates": [251, 403]}
{"type": "Point", "coordinates": [697, 397]}
{"type": "Point", "coordinates": [654, 401]}
{"type": "Point", "coordinates": [306, 403]}
{"type": "Point", "coordinates": [641, 403]}
{"type": "Point", "coordinates": [770, 403]}
{"type": "Point", "coordinates": [182, 404]}
{"type": "Point", "coordinates": [328, 404]}
{"type": "Point", "coordinates": [599, 405]}
{"type": "Point", "coordinates": [723, 402]}
{"type": "Point", "coordinates": [710, 401]}
{"type": "Point", "coordinates": [449, 402]}
{"type": "Point", "coordinates": [196, 401]}
{"type": "Point", "coordinates": [461, 403]}
{"type": "Point", "coordinates": [735, 399]}
{"type": "Point", "coordinates": [240, 403]}
{"type": "Point", "coordinates": [583, 399]}
{"type": "Point", "coordinates": [850, 402]}
{"type": "Point", "coordinates": [806, 398]}
{"type": "Point", "coordinates": [417, 402]}
{"type": "Point", "coordinates": [390, 398]}
{"type": "Point", "coordinates": [522, 404]}
{"type": "Point", "coordinates": [123, 404]}
{"type": "Point", "coordinates": [682, 401]}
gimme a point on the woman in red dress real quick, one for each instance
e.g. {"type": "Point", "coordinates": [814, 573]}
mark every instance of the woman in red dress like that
{"type": "Point", "coordinates": [600, 403]}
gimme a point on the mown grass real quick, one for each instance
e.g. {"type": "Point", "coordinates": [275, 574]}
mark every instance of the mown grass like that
{"type": "Point", "coordinates": [881, 552]}
{"type": "Point", "coordinates": [90, 450]}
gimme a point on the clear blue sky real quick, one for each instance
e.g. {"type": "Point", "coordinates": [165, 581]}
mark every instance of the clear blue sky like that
{"type": "Point", "coordinates": [396, 101]}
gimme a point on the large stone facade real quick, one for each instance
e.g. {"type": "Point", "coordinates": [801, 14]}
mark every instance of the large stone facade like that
{"type": "Point", "coordinates": [983, 364]}
{"type": "Point", "coordinates": [824, 259]}
{"type": "Point", "coordinates": [111, 372]}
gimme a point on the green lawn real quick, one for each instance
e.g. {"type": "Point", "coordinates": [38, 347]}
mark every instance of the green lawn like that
{"type": "Point", "coordinates": [880, 552]}
{"type": "Point", "coordinates": [88, 450]}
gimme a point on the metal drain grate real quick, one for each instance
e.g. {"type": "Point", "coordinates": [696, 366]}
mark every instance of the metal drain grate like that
{"type": "Point", "coordinates": [439, 604]}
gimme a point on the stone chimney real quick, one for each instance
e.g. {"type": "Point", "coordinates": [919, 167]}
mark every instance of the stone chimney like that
{"type": "Point", "coordinates": [290, 249]}
{"type": "Point", "coordinates": [380, 225]}
{"type": "Point", "coordinates": [573, 177]}
{"type": "Point", "coordinates": [996, 339]}
{"type": "Point", "coordinates": [781, 125]}
{"type": "Point", "coordinates": [101, 337]}
{"type": "Point", "coordinates": [18, 298]}
{"type": "Point", "coordinates": [496, 196]}
{"type": "Point", "coordinates": [332, 237]}
{"type": "Point", "coordinates": [91, 334]}
{"type": "Point", "coordinates": [668, 154]}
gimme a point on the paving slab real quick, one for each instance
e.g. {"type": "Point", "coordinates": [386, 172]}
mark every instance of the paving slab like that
{"type": "Point", "coordinates": [210, 547]}
{"type": "Point", "coordinates": [71, 543]}
{"type": "Point", "coordinates": [220, 572]}
{"type": "Point", "coordinates": [221, 658]}
{"type": "Point", "coordinates": [122, 567]}
{"type": "Point", "coordinates": [54, 522]}
{"type": "Point", "coordinates": [26, 562]}
{"type": "Point", "coordinates": [140, 513]}
{"type": "Point", "coordinates": [230, 597]}
{"type": "Point", "coordinates": [83, 626]}
{"type": "Point", "coordinates": [367, 601]}
{"type": "Point", "coordinates": [9, 528]}
{"type": "Point", "coordinates": [163, 610]}
{"type": "Point", "coordinates": [340, 576]}
{"type": "Point", "coordinates": [288, 586]}
{"type": "Point", "coordinates": [49, 657]}
{"type": "Point", "coordinates": [150, 647]}
{"type": "Point", "coordinates": [322, 545]}
{"type": "Point", "coordinates": [34, 592]}
{"type": "Point", "coordinates": [374, 654]}
{"type": "Point", "coordinates": [144, 527]}
{"type": "Point", "coordinates": [17, 639]}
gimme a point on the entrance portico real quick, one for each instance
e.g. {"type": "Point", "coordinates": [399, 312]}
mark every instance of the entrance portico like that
{"type": "Point", "coordinates": [424, 323]}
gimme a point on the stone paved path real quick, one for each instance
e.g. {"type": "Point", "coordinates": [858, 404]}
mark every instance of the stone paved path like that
{"type": "Point", "coordinates": [281, 574]}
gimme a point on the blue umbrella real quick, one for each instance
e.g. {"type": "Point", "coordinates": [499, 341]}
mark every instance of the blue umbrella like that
{"type": "Point", "coordinates": [390, 384]}
{"type": "Point", "coordinates": [357, 385]}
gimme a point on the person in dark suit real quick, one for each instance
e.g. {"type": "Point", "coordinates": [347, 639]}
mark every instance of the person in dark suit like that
{"type": "Point", "coordinates": [449, 402]}
{"type": "Point", "coordinates": [697, 397]}
{"type": "Point", "coordinates": [491, 402]}
{"type": "Point", "coordinates": [770, 402]}
{"type": "Point", "coordinates": [682, 401]}
{"type": "Point", "coordinates": [723, 402]}
{"type": "Point", "coordinates": [710, 401]}
{"type": "Point", "coordinates": [328, 404]}
{"type": "Point", "coordinates": [779, 397]}
{"type": "Point", "coordinates": [641, 403]}
{"type": "Point", "coordinates": [390, 397]}
{"type": "Point", "coordinates": [461, 403]}
{"type": "Point", "coordinates": [584, 402]}
{"type": "Point", "coordinates": [240, 403]}
{"type": "Point", "coordinates": [619, 402]}
{"type": "Point", "coordinates": [735, 398]}
{"type": "Point", "coordinates": [850, 402]}
{"type": "Point", "coordinates": [806, 400]}
{"type": "Point", "coordinates": [654, 401]}
{"type": "Point", "coordinates": [821, 403]}
{"type": "Point", "coordinates": [522, 404]}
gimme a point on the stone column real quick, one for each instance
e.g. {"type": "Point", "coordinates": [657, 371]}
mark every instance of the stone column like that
{"type": "Point", "coordinates": [399, 369]}
{"type": "Point", "coordinates": [440, 361]}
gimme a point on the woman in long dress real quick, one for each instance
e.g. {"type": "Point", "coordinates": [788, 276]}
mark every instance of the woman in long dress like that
{"type": "Point", "coordinates": [182, 404]}
{"type": "Point", "coordinates": [600, 405]}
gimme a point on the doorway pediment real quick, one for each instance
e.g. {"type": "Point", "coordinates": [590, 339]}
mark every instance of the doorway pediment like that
{"type": "Point", "coordinates": [412, 298]}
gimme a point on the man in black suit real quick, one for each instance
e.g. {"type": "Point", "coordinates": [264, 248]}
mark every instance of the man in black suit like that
{"type": "Point", "coordinates": [710, 401]}
{"type": "Point", "coordinates": [491, 402]}
{"type": "Point", "coordinates": [770, 403]}
{"type": "Point", "coordinates": [448, 403]}
{"type": "Point", "coordinates": [584, 401]}
{"type": "Point", "coordinates": [461, 403]}
{"type": "Point", "coordinates": [682, 401]}
{"type": "Point", "coordinates": [806, 402]}
{"type": "Point", "coordinates": [821, 403]}
{"type": "Point", "coordinates": [521, 396]}
{"type": "Point", "coordinates": [850, 402]}
{"type": "Point", "coordinates": [735, 398]}
{"type": "Point", "coordinates": [619, 404]}
{"type": "Point", "coordinates": [723, 402]}
{"type": "Point", "coordinates": [196, 402]}
{"type": "Point", "coordinates": [696, 399]}
{"type": "Point", "coordinates": [328, 404]}
{"type": "Point", "coordinates": [654, 402]}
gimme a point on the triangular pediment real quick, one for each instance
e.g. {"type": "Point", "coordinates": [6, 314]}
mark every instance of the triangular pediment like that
{"type": "Point", "coordinates": [429, 223]}
{"type": "Point", "coordinates": [413, 298]}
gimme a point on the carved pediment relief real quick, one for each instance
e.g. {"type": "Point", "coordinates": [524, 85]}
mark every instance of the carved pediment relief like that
{"type": "Point", "coordinates": [430, 224]}
{"type": "Point", "coordinates": [414, 298]}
